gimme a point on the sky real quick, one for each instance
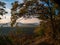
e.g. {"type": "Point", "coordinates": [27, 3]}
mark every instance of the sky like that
{"type": "Point", "coordinates": [6, 17]}
{"type": "Point", "coordinates": [8, 2]}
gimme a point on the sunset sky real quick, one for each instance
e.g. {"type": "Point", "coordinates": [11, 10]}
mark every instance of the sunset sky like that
{"type": "Point", "coordinates": [6, 17]}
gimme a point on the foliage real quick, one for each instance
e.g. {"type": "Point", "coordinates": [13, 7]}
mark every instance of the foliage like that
{"type": "Point", "coordinates": [5, 40]}
{"type": "Point", "coordinates": [2, 8]}
{"type": "Point", "coordinates": [28, 8]}
{"type": "Point", "coordinates": [42, 34]}
{"type": "Point", "coordinates": [44, 9]}
{"type": "Point", "coordinates": [33, 7]}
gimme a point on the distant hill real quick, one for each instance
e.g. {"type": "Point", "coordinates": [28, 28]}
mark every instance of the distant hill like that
{"type": "Point", "coordinates": [27, 24]}
{"type": "Point", "coordinates": [19, 24]}
{"type": "Point", "coordinates": [5, 25]}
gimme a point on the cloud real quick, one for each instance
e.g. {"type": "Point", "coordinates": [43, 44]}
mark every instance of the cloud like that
{"type": "Point", "coordinates": [8, 10]}
{"type": "Point", "coordinates": [6, 17]}
{"type": "Point", "coordinates": [25, 21]}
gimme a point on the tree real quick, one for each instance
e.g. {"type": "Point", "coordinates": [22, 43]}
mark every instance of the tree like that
{"type": "Point", "coordinates": [26, 9]}
{"type": "Point", "coordinates": [13, 12]}
{"type": "Point", "coordinates": [44, 8]}
{"type": "Point", "coordinates": [2, 8]}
